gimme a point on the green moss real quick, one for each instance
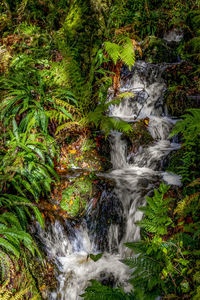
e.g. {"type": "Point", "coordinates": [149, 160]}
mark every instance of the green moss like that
{"type": "Point", "coordinates": [140, 135]}
{"type": "Point", "coordinates": [156, 50]}
{"type": "Point", "coordinates": [177, 102]}
{"type": "Point", "coordinates": [76, 195]}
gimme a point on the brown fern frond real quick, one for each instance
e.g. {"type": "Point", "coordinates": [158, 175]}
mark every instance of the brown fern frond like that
{"type": "Point", "coordinates": [71, 108]}
{"type": "Point", "coordinates": [69, 126]}
{"type": "Point", "coordinates": [195, 182]}
{"type": "Point", "coordinates": [57, 116]}
{"type": "Point", "coordinates": [182, 205]}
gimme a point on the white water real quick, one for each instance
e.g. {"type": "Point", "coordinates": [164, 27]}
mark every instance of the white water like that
{"type": "Point", "coordinates": [135, 175]}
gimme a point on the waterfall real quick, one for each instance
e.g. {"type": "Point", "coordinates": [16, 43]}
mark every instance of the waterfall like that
{"type": "Point", "coordinates": [135, 176]}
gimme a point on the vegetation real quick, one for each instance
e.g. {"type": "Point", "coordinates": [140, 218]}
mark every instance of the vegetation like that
{"type": "Point", "coordinates": [167, 260]}
{"type": "Point", "coordinates": [58, 60]}
{"type": "Point", "coordinates": [76, 195]}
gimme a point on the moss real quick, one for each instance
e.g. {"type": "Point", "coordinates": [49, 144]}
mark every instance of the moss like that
{"type": "Point", "coordinates": [177, 102]}
{"type": "Point", "coordinates": [140, 135]}
{"type": "Point", "coordinates": [156, 50]}
{"type": "Point", "coordinates": [84, 152]}
{"type": "Point", "coordinates": [76, 195]}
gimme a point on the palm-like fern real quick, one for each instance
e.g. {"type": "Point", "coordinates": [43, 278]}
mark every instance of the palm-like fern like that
{"type": "Point", "coordinates": [124, 51]}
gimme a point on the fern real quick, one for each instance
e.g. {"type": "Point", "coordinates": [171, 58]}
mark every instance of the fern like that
{"type": "Point", "coordinates": [113, 51]}
{"type": "Point", "coordinates": [188, 156]}
{"type": "Point", "coordinates": [149, 265]}
{"type": "Point", "coordinates": [30, 168]}
{"type": "Point", "coordinates": [189, 127]}
{"type": "Point", "coordinates": [12, 234]}
{"type": "Point", "coordinates": [107, 124]}
{"type": "Point", "coordinates": [98, 291]}
{"type": "Point", "coordinates": [124, 52]}
{"type": "Point", "coordinates": [127, 54]}
{"type": "Point", "coordinates": [5, 294]}
{"type": "Point", "coordinates": [156, 218]}
{"type": "Point", "coordinates": [18, 205]}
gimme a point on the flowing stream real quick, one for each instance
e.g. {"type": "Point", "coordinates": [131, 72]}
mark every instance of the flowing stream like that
{"type": "Point", "coordinates": [112, 223]}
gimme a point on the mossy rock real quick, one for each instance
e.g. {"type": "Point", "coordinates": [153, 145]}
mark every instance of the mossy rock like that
{"type": "Point", "coordinates": [156, 50]}
{"type": "Point", "coordinates": [84, 152]}
{"type": "Point", "coordinates": [177, 102]}
{"type": "Point", "coordinates": [76, 195]}
{"type": "Point", "coordinates": [140, 136]}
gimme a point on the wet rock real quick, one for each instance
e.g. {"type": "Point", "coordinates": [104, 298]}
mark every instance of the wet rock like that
{"type": "Point", "coordinates": [174, 35]}
{"type": "Point", "coordinates": [108, 211]}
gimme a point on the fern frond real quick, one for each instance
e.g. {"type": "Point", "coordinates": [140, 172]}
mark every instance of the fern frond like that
{"type": "Point", "coordinates": [184, 204]}
{"type": "Point", "coordinates": [62, 103]}
{"type": "Point", "coordinates": [189, 126]}
{"type": "Point", "coordinates": [70, 126]}
{"type": "Point", "coordinates": [113, 51]}
{"type": "Point", "coordinates": [109, 123]}
{"type": "Point", "coordinates": [58, 116]}
{"type": "Point", "coordinates": [127, 54]}
{"type": "Point", "coordinates": [156, 218]}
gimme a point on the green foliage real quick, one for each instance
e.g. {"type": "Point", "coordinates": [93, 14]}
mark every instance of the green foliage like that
{"type": "Point", "coordinates": [124, 52]}
{"type": "Point", "coordinates": [188, 157]}
{"type": "Point", "coordinates": [20, 206]}
{"type": "Point", "coordinates": [193, 45]}
{"type": "Point", "coordinates": [99, 119]}
{"type": "Point", "coordinates": [31, 98]}
{"type": "Point", "coordinates": [156, 212]}
{"type": "Point", "coordinates": [13, 236]}
{"type": "Point", "coordinates": [76, 195]}
{"type": "Point", "coordinates": [27, 163]}
{"type": "Point", "coordinates": [101, 292]}
{"type": "Point", "coordinates": [96, 257]}
{"type": "Point", "coordinates": [189, 127]}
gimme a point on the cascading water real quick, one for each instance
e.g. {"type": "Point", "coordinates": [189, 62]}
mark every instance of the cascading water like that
{"type": "Point", "coordinates": [112, 223]}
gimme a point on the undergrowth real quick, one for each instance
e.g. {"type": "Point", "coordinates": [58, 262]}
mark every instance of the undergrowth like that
{"type": "Point", "coordinates": [57, 61]}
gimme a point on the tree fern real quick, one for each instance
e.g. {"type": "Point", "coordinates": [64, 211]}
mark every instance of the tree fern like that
{"type": "Point", "coordinates": [113, 50]}
{"type": "Point", "coordinates": [124, 52]}
{"type": "Point", "coordinates": [127, 54]}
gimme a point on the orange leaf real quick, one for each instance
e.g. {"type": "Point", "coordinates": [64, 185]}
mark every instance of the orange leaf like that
{"type": "Point", "coordinates": [72, 151]}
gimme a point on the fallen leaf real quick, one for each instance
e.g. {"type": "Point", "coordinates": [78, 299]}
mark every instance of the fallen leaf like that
{"type": "Point", "coordinates": [72, 151]}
